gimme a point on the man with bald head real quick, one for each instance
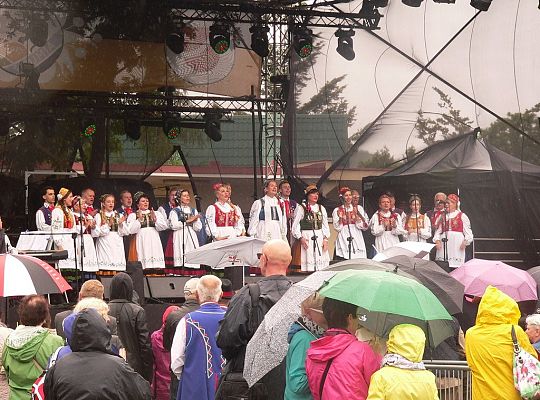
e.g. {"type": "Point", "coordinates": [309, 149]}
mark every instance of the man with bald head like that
{"type": "Point", "coordinates": [245, 313]}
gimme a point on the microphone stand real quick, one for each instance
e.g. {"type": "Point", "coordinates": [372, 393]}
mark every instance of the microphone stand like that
{"type": "Point", "coordinates": [82, 237]}
{"type": "Point", "coordinates": [417, 227]}
{"type": "Point", "coordinates": [350, 238]}
{"type": "Point", "coordinates": [444, 240]}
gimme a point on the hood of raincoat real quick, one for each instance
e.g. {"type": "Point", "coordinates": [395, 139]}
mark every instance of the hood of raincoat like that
{"type": "Point", "coordinates": [25, 341]}
{"type": "Point", "coordinates": [497, 308]}
{"type": "Point", "coordinates": [67, 325]}
{"type": "Point", "coordinates": [330, 346]}
{"type": "Point", "coordinates": [407, 341]}
{"type": "Point", "coordinates": [90, 333]}
{"type": "Point", "coordinates": [122, 287]}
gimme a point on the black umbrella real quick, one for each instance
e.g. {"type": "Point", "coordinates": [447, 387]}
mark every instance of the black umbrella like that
{"type": "Point", "coordinates": [447, 289]}
{"type": "Point", "coordinates": [535, 273]}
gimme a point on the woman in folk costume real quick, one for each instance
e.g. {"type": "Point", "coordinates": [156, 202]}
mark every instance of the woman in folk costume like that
{"type": "Point", "coordinates": [63, 223]}
{"type": "Point", "coordinates": [145, 224]}
{"type": "Point", "coordinates": [266, 218]}
{"type": "Point", "coordinates": [241, 220]}
{"type": "Point", "coordinates": [89, 257]}
{"type": "Point", "coordinates": [223, 219]}
{"type": "Point", "coordinates": [310, 226]}
{"type": "Point", "coordinates": [417, 225]}
{"type": "Point", "coordinates": [185, 223]}
{"type": "Point", "coordinates": [109, 229]}
{"type": "Point", "coordinates": [386, 225]}
{"type": "Point", "coordinates": [349, 221]}
{"type": "Point", "coordinates": [454, 228]}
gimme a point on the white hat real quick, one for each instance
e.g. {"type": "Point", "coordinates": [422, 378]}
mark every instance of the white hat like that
{"type": "Point", "coordinates": [190, 287]}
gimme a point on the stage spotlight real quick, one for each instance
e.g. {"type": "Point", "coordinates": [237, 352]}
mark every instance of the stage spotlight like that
{"type": "Point", "coordinates": [345, 44]}
{"type": "Point", "coordinates": [303, 41]}
{"type": "Point", "coordinates": [175, 42]}
{"type": "Point", "coordinates": [481, 5]}
{"type": "Point", "coordinates": [445, 1]}
{"type": "Point", "coordinates": [213, 126]}
{"type": "Point", "coordinates": [259, 40]}
{"type": "Point", "coordinates": [88, 128]}
{"type": "Point", "coordinates": [412, 3]}
{"type": "Point", "coordinates": [132, 128]}
{"type": "Point", "coordinates": [171, 127]}
{"type": "Point", "coordinates": [38, 31]}
{"type": "Point", "coordinates": [4, 127]}
{"type": "Point", "coordinates": [379, 3]}
{"type": "Point", "coordinates": [220, 37]}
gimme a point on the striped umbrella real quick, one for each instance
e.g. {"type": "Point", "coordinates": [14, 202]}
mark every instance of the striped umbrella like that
{"type": "Point", "coordinates": [21, 275]}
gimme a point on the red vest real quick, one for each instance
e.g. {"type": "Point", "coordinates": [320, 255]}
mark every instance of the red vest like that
{"type": "Point", "coordinates": [452, 224]}
{"type": "Point", "coordinates": [223, 219]}
{"type": "Point", "coordinates": [391, 219]}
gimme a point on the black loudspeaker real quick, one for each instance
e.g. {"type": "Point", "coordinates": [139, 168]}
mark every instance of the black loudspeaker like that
{"type": "Point", "coordinates": [135, 270]}
{"type": "Point", "coordinates": [154, 315]}
{"type": "Point", "coordinates": [165, 287]}
{"type": "Point", "coordinates": [234, 274]}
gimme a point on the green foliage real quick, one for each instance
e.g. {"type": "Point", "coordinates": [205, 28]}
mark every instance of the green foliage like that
{"type": "Point", "coordinates": [449, 124]}
{"type": "Point", "coordinates": [380, 159]}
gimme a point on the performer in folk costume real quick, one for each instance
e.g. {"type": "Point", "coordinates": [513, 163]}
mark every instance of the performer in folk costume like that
{"type": "Point", "coordinates": [310, 227]}
{"type": "Point", "coordinates": [145, 224]}
{"type": "Point", "coordinates": [241, 220]}
{"type": "Point", "coordinates": [223, 219]}
{"type": "Point", "coordinates": [288, 206]}
{"type": "Point", "coordinates": [185, 222]}
{"type": "Point", "coordinates": [88, 195]}
{"type": "Point", "coordinates": [417, 226]}
{"type": "Point", "coordinates": [43, 215]}
{"type": "Point", "coordinates": [89, 257]}
{"type": "Point", "coordinates": [454, 227]}
{"type": "Point", "coordinates": [386, 225]}
{"type": "Point", "coordinates": [439, 203]}
{"type": "Point", "coordinates": [166, 235]}
{"type": "Point", "coordinates": [266, 218]}
{"type": "Point", "coordinates": [126, 208]}
{"type": "Point", "coordinates": [62, 223]}
{"type": "Point", "coordinates": [349, 221]}
{"type": "Point", "coordinates": [109, 229]}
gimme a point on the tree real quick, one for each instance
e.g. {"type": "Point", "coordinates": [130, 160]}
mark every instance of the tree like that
{"type": "Point", "coordinates": [449, 124]}
{"type": "Point", "coordinates": [330, 100]}
{"type": "Point", "coordinates": [380, 159]}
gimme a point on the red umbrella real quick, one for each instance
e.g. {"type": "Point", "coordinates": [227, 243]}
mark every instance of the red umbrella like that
{"type": "Point", "coordinates": [21, 275]}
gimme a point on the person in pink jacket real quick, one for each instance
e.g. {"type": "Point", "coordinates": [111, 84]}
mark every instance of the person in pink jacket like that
{"type": "Point", "coordinates": [162, 362]}
{"type": "Point", "coordinates": [338, 366]}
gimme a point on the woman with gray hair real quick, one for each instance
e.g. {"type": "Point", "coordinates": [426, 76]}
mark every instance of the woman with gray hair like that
{"type": "Point", "coordinates": [533, 330]}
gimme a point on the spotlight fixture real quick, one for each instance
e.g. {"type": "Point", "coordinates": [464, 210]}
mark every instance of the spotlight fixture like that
{"type": "Point", "coordinates": [259, 40]}
{"type": "Point", "coordinates": [345, 44]}
{"type": "Point", "coordinates": [88, 128]}
{"type": "Point", "coordinates": [481, 5]}
{"type": "Point", "coordinates": [379, 3]}
{"type": "Point", "coordinates": [175, 42]}
{"type": "Point", "coordinates": [220, 37]}
{"type": "Point", "coordinates": [303, 41]}
{"type": "Point", "coordinates": [38, 31]}
{"type": "Point", "coordinates": [412, 3]}
{"type": "Point", "coordinates": [445, 1]}
{"type": "Point", "coordinates": [132, 128]}
{"type": "Point", "coordinates": [171, 127]}
{"type": "Point", "coordinates": [4, 127]}
{"type": "Point", "coordinates": [212, 126]}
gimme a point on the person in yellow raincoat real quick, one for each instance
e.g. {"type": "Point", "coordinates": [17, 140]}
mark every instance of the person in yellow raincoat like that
{"type": "Point", "coordinates": [489, 349]}
{"type": "Point", "coordinates": [403, 375]}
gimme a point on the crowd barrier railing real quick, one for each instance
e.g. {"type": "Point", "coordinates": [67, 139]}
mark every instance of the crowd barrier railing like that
{"type": "Point", "coordinates": [453, 379]}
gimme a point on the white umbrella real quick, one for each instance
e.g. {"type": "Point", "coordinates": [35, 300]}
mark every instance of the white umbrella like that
{"type": "Point", "coordinates": [409, 249]}
{"type": "Point", "coordinates": [268, 346]}
{"type": "Point", "coordinates": [232, 252]}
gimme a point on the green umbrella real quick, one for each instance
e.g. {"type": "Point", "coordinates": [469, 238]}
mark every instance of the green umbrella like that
{"type": "Point", "coordinates": [385, 300]}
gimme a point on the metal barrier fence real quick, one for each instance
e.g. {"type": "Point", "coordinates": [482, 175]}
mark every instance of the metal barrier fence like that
{"type": "Point", "coordinates": [453, 379]}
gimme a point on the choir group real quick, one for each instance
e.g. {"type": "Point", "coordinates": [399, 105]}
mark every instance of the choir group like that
{"type": "Point", "coordinates": [104, 239]}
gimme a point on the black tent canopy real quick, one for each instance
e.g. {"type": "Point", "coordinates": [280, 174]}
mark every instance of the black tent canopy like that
{"type": "Point", "coordinates": [497, 191]}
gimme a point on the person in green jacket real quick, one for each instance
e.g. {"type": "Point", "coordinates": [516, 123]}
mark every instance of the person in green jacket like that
{"type": "Point", "coordinates": [310, 326]}
{"type": "Point", "coordinates": [28, 348]}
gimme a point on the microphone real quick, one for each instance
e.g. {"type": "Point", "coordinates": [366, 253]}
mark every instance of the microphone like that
{"type": "Point", "coordinates": [197, 197]}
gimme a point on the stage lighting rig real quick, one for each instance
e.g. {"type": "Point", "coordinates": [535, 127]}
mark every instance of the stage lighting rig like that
{"type": "Point", "coordinates": [38, 31]}
{"type": "Point", "coordinates": [345, 46]}
{"type": "Point", "coordinates": [175, 42]}
{"type": "Point", "coordinates": [259, 40]}
{"type": "Point", "coordinates": [445, 1]}
{"type": "Point", "coordinates": [132, 128]}
{"type": "Point", "coordinates": [220, 37]}
{"type": "Point", "coordinates": [481, 5]}
{"type": "Point", "coordinates": [303, 41]}
{"type": "Point", "coordinates": [412, 3]}
{"type": "Point", "coordinates": [212, 126]}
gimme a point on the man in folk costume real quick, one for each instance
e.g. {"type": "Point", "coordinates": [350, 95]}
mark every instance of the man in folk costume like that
{"type": "Point", "coordinates": [223, 219]}
{"type": "Point", "coordinates": [89, 195]}
{"type": "Point", "coordinates": [288, 205]}
{"type": "Point", "coordinates": [43, 214]}
{"type": "Point", "coordinates": [126, 209]}
{"type": "Point", "coordinates": [438, 209]}
{"type": "Point", "coordinates": [195, 357]}
{"type": "Point", "coordinates": [310, 227]}
{"type": "Point", "coordinates": [349, 221]}
{"type": "Point", "coordinates": [386, 225]}
{"type": "Point", "coordinates": [454, 229]}
{"type": "Point", "coordinates": [63, 223]}
{"type": "Point", "coordinates": [266, 218]}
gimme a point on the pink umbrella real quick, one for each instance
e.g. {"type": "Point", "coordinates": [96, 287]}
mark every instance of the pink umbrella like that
{"type": "Point", "coordinates": [477, 274]}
